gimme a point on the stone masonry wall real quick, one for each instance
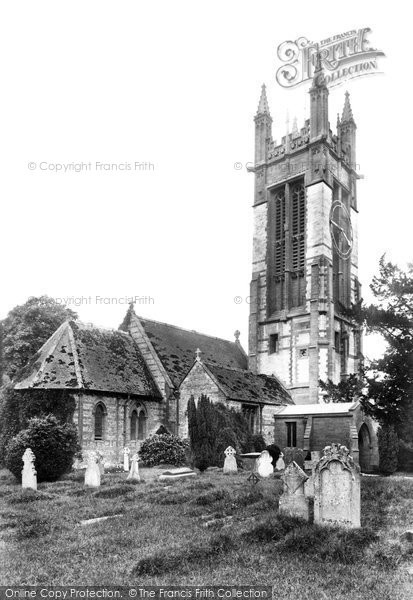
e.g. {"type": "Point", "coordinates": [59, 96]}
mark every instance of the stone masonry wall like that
{"type": "Point", "coordinates": [115, 424]}
{"type": "Point", "coordinates": [196, 383]}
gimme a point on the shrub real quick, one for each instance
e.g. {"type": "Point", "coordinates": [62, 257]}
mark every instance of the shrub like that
{"type": "Point", "coordinates": [18, 407]}
{"type": "Point", "coordinates": [388, 449]}
{"type": "Point", "coordinates": [274, 452]}
{"type": "Point", "coordinates": [164, 448]}
{"type": "Point", "coordinates": [54, 445]}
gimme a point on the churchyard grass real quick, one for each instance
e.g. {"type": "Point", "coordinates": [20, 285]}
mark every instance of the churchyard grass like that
{"type": "Point", "coordinates": [210, 530]}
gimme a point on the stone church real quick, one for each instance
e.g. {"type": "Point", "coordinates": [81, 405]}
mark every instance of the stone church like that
{"type": "Point", "coordinates": [128, 382]}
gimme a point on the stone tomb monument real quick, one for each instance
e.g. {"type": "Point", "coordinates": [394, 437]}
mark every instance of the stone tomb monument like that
{"type": "Point", "coordinates": [230, 463]}
{"type": "Point", "coordinates": [92, 473]}
{"type": "Point", "coordinates": [29, 474]}
{"type": "Point", "coordinates": [293, 501]}
{"type": "Point", "coordinates": [264, 466]}
{"type": "Point", "coordinates": [134, 469]}
{"type": "Point", "coordinates": [337, 488]}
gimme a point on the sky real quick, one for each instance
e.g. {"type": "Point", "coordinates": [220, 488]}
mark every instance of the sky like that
{"type": "Point", "coordinates": [171, 88]}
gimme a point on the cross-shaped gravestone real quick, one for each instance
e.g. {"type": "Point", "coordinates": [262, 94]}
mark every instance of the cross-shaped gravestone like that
{"type": "Point", "coordinates": [29, 475]}
{"type": "Point", "coordinates": [230, 463]}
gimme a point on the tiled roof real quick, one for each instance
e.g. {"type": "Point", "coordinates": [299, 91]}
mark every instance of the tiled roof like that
{"type": "Point", "coordinates": [78, 356]}
{"type": "Point", "coordinates": [238, 384]}
{"type": "Point", "coordinates": [176, 349]}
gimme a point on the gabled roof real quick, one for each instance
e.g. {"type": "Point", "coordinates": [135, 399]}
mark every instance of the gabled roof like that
{"type": "Point", "coordinates": [238, 384]}
{"type": "Point", "coordinates": [81, 357]}
{"type": "Point", "coordinates": [176, 348]}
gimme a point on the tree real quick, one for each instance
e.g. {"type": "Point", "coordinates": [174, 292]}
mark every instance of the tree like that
{"type": "Point", "coordinates": [348, 390]}
{"type": "Point", "coordinates": [26, 328]}
{"type": "Point", "coordinates": [390, 388]}
{"type": "Point", "coordinates": [214, 427]}
{"type": "Point", "coordinates": [388, 448]}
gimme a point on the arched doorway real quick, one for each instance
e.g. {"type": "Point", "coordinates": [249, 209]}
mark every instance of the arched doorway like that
{"type": "Point", "coordinates": [364, 449]}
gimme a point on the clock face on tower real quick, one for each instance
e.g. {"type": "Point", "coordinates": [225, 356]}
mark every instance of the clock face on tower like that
{"type": "Point", "coordinates": [341, 230]}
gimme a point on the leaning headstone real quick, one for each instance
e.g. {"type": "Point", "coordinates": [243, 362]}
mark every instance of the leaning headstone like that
{"type": "Point", "coordinates": [181, 473]}
{"type": "Point", "coordinates": [293, 501]}
{"type": "Point", "coordinates": [29, 474]}
{"type": "Point", "coordinates": [134, 469]}
{"type": "Point", "coordinates": [264, 465]}
{"type": "Point", "coordinates": [126, 453]}
{"type": "Point", "coordinates": [92, 473]}
{"type": "Point", "coordinates": [280, 464]}
{"type": "Point", "coordinates": [337, 488]}
{"type": "Point", "coordinates": [230, 464]}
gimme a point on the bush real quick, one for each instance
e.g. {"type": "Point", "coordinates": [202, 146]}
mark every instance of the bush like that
{"type": "Point", "coordinates": [388, 449]}
{"type": "Point", "coordinates": [18, 407]}
{"type": "Point", "coordinates": [274, 452]}
{"type": "Point", "coordinates": [54, 445]}
{"type": "Point", "coordinates": [164, 448]}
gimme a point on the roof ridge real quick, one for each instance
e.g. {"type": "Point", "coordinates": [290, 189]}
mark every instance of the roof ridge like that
{"type": "Point", "coordinates": [91, 326]}
{"type": "Point", "coordinates": [242, 370]}
{"type": "Point", "coordinates": [213, 337]}
{"type": "Point", "coordinates": [238, 369]}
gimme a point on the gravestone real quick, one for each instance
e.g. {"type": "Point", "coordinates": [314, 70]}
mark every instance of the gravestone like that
{"type": "Point", "coordinates": [126, 453]}
{"type": "Point", "coordinates": [29, 474]}
{"type": "Point", "coordinates": [134, 469]}
{"type": "Point", "coordinates": [100, 462]}
{"type": "Point", "coordinates": [92, 473]}
{"type": "Point", "coordinates": [264, 466]}
{"type": "Point", "coordinates": [293, 501]}
{"type": "Point", "coordinates": [280, 464]}
{"type": "Point", "coordinates": [337, 488]}
{"type": "Point", "coordinates": [230, 464]}
{"type": "Point", "coordinates": [294, 455]}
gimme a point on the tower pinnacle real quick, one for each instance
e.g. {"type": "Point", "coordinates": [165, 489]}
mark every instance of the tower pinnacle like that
{"type": "Point", "coordinates": [347, 116]}
{"type": "Point", "coordinates": [263, 108]}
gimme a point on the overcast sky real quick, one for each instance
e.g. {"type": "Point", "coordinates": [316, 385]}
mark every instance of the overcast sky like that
{"type": "Point", "coordinates": [174, 84]}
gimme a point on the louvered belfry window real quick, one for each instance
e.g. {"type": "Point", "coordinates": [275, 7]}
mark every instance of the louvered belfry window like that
{"type": "Point", "coordinates": [287, 226]}
{"type": "Point", "coordinates": [298, 227]}
{"type": "Point", "coordinates": [279, 241]}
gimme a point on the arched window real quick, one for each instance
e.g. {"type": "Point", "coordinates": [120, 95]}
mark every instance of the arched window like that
{"type": "Point", "coordinates": [100, 414]}
{"type": "Point", "coordinates": [133, 424]}
{"type": "Point", "coordinates": [141, 426]}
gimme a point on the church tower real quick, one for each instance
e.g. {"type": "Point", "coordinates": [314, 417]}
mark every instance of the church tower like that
{"type": "Point", "coordinates": [305, 249]}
